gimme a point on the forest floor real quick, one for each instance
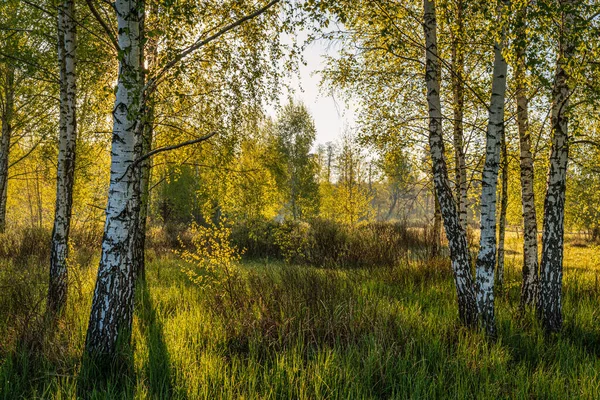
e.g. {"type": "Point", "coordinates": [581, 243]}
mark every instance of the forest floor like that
{"type": "Point", "coordinates": [276, 331]}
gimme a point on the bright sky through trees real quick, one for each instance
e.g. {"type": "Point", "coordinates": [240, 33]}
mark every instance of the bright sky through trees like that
{"type": "Point", "coordinates": [330, 111]}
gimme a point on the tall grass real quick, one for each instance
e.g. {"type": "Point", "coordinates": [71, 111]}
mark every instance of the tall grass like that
{"type": "Point", "coordinates": [302, 332]}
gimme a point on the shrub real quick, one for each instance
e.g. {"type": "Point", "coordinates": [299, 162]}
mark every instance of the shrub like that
{"type": "Point", "coordinates": [331, 244]}
{"type": "Point", "coordinates": [211, 257]}
{"type": "Point", "coordinates": [295, 241]}
{"type": "Point", "coordinates": [25, 244]}
{"type": "Point", "coordinates": [257, 237]}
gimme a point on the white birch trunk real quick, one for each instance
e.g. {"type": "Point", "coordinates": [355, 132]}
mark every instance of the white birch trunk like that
{"type": "Point", "coordinates": [530, 242]}
{"type": "Point", "coordinates": [112, 308]}
{"type": "Point", "coordinates": [550, 285]}
{"type": "Point", "coordinates": [457, 240]}
{"type": "Point", "coordinates": [486, 259]}
{"type": "Point", "coordinates": [57, 290]}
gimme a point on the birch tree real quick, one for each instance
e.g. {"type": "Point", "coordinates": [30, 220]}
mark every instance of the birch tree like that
{"type": "Point", "coordinates": [112, 306]}
{"type": "Point", "coordinates": [549, 303]}
{"type": "Point", "coordinates": [458, 105]}
{"type": "Point", "coordinates": [503, 210]}
{"type": "Point", "coordinates": [457, 239]}
{"type": "Point", "coordinates": [530, 245]}
{"type": "Point", "coordinates": [57, 290]}
{"type": "Point", "coordinates": [486, 259]}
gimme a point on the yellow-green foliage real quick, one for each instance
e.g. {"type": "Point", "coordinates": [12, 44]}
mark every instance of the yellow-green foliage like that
{"type": "Point", "coordinates": [211, 258]}
{"type": "Point", "coordinates": [294, 241]}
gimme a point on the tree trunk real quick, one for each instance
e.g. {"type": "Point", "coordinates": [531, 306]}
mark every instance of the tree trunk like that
{"type": "Point", "coordinates": [7, 115]}
{"type": "Point", "coordinates": [530, 242]}
{"type": "Point", "coordinates": [57, 290]}
{"type": "Point", "coordinates": [437, 226]}
{"type": "Point", "coordinates": [503, 210]}
{"type": "Point", "coordinates": [458, 92]}
{"type": "Point", "coordinates": [144, 171]}
{"type": "Point", "coordinates": [550, 290]}
{"type": "Point", "coordinates": [112, 307]}
{"type": "Point", "coordinates": [457, 239]}
{"type": "Point", "coordinates": [486, 259]}
{"type": "Point", "coordinates": [144, 167]}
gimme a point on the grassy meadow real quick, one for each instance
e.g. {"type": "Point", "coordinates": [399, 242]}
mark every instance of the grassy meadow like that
{"type": "Point", "coordinates": [277, 331]}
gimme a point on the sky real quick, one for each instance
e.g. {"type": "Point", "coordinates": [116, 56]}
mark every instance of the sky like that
{"type": "Point", "coordinates": [331, 113]}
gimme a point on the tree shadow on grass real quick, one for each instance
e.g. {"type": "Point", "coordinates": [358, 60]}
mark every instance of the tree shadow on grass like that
{"type": "Point", "coordinates": [108, 377]}
{"type": "Point", "coordinates": [587, 340]}
{"type": "Point", "coordinates": [158, 368]}
{"type": "Point", "coordinates": [102, 378]}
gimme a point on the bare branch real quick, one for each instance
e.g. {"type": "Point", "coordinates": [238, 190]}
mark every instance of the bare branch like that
{"type": "Point", "coordinates": [586, 141]}
{"type": "Point", "coordinates": [203, 42]}
{"type": "Point", "coordinates": [173, 147]}
{"type": "Point", "coordinates": [103, 23]}
{"type": "Point", "coordinates": [38, 7]}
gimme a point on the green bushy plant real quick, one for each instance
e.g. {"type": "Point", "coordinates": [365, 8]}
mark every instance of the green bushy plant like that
{"type": "Point", "coordinates": [211, 258]}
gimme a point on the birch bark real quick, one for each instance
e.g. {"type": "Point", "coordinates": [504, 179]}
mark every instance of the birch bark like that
{"type": "Point", "coordinates": [437, 226]}
{"type": "Point", "coordinates": [58, 283]}
{"type": "Point", "coordinates": [144, 172]}
{"type": "Point", "coordinates": [486, 259]}
{"type": "Point", "coordinates": [550, 285]}
{"type": "Point", "coordinates": [112, 307]}
{"type": "Point", "coordinates": [457, 240]}
{"type": "Point", "coordinates": [530, 242]}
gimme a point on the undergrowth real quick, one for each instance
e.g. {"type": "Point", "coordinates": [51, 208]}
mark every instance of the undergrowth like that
{"type": "Point", "coordinates": [300, 332]}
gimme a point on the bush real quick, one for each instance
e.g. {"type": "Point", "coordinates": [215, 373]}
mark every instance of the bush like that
{"type": "Point", "coordinates": [211, 258]}
{"type": "Point", "coordinates": [26, 244]}
{"type": "Point", "coordinates": [330, 244]}
{"type": "Point", "coordinates": [295, 241]}
{"type": "Point", "coordinates": [257, 237]}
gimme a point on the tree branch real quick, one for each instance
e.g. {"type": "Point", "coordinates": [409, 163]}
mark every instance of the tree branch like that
{"type": "Point", "coordinates": [104, 25]}
{"type": "Point", "coordinates": [203, 42]}
{"type": "Point", "coordinates": [38, 7]}
{"type": "Point", "coordinates": [173, 147]}
{"type": "Point", "coordinates": [586, 141]}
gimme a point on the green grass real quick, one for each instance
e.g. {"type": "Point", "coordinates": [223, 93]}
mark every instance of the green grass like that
{"type": "Point", "coordinates": [307, 333]}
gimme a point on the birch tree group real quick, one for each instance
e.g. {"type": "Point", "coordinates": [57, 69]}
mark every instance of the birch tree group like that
{"type": "Point", "coordinates": [113, 303]}
{"type": "Point", "coordinates": [449, 80]}
{"type": "Point", "coordinates": [211, 53]}
{"type": "Point", "coordinates": [383, 54]}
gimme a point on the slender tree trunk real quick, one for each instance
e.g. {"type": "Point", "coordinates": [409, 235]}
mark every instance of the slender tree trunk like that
{"type": "Point", "coordinates": [550, 290]}
{"type": "Point", "coordinates": [38, 195]}
{"type": "Point", "coordinates": [437, 226]}
{"type": "Point", "coordinates": [458, 92]}
{"type": "Point", "coordinates": [57, 290]}
{"type": "Point", "coordinates": [394, 201]}
{"type": "Point", "coordinates": [457, 239]}
{"type": "Point", "coordinates": [7, 115]}
{"type": "Point", "coordinates": [486, 259]}
{"type": "Point", "coordinates": [112, 306]}
{"type": "Point", "coordinates": [503, 210]}
{"type": "Point", "coordinates": [144, 166]}
{"type": "Point", "coordinates": [530, 242]}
